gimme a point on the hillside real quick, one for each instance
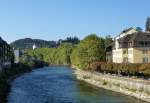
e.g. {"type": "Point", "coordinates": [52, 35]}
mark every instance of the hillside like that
{"type": "Point", "coordinates": [27, 43]}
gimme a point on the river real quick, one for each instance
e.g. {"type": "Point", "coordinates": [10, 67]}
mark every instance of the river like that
{"type": "Point", "coordinates": [58, 85]}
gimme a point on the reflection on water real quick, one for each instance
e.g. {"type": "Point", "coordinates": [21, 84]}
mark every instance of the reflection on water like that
{"type": "Point", "coordinates": [58, 85]}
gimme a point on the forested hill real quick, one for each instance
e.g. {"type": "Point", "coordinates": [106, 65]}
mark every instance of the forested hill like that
{"type": "Point", "coordinates": [27, 43]}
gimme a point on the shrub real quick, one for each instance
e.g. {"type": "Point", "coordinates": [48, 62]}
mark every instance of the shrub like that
{"type": "Point", "coordinates": [144, 69]}
{"type": "Point", "coordinates": [96, 66]}
{"type": "Point", "coordinates": [126, 69]}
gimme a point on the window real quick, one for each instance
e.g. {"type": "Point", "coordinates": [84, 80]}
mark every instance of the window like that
{"type": "Point", "coordinates": [146, 43]}
{"type": "Point", "coordinates": [141, 44]}
{"type": "Point", "coordinates": [145, 60]}
{"type": "Point", "coordinates": [145, 51]}
{"type": "Point", "coordinates": [124, 52]}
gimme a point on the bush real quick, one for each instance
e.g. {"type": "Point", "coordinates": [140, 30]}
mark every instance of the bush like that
{"type": "Point", "coordinates": [144, 69]}
{"type": "Point", "coordinates": [125, 69]}
{"type": "Point", "coordinates": [96, 66]}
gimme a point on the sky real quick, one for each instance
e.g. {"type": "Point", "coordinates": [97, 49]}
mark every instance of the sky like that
{"type": "Point", "coordinates": [58, 19]}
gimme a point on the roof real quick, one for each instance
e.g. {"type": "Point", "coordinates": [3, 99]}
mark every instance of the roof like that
{"type": "Point", "coordinates": [139, 36]}
{"type": "Point", "coordinates": [126, 38]}
{"type": "Point", "coordinates": [126, 30]}
{"type": "Point", "coordinates": [142, 37]}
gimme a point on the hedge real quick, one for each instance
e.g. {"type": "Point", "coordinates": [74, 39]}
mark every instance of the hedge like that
{"type": "Point", "coordinates": [122, 68]}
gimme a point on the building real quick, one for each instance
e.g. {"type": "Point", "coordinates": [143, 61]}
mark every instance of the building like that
{"type": "Point", "coordinates": [16, 55]}
{"type": "Point", "coordinates": [34, 47]}
{"type": "Point", "coordinates": [131, 46]}
{"type": "Point", "coordinates": [6, 54]}
{"type": "Point", "coordinates": [117, 51]}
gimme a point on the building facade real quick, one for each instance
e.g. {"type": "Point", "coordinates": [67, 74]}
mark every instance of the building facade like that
{"type": "Point", "coordinates": [131, 46]}
{"type": "Point", "coordinates": [6, 54]}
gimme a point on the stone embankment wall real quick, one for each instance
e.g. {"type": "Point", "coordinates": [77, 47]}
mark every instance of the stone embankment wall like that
{"type": "Point", "coordinates": [133, 87]}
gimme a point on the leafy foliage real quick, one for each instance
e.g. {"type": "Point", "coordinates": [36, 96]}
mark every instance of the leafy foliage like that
{"type": "Point", "coordinates": [126, 69]}
{"type": "Point", "coordinates": [59, 55]}
{"type": "Point", "coordinates": [89, 50]}
{"type": "Point", "coordinates": [108, 40]}
{"type": "Point", "coordinates": [27, 43]}
{"type": "Point", "coordinates": [73, 40]}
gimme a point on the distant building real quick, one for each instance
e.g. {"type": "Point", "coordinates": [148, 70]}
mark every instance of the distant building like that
{"type": "Point", "coordinates": [17, 55]}
{"type": "Point", "coordinates": [34, 47]}
{"type": "Point", "coordinates": [6, 54]}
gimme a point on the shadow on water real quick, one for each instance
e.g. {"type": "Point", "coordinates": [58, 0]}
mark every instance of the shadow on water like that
{"type": "Point", "coordinates": [58, 85]}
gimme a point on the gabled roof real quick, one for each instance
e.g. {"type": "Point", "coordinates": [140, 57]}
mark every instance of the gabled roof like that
{"type": "Point", "coordinates": [142, 36]}
{"type": "Point", "coordinates": [126, 38]}
{"type": "Point", "coordinates": [139, 36]}
{"type": "Point", "coordinates": [126, 30]}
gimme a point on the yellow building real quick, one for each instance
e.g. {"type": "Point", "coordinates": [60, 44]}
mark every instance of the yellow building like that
{"type": "Point", "coordinates": [131, 46]}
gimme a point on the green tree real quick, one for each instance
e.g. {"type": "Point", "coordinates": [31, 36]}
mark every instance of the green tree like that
{"type": "Point", "coordinates": [89, 50]}
{"type": "Point", "coordinates": [59, 55]}
{"type": "Point", "coordinates": [63, 53]}
{"type": "Point", "coordinates": [108, 40]}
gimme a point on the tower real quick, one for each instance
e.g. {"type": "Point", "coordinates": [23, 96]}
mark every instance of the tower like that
{"type": "Point", "coordinates": [148, 25]}
{"type": "Point", "coordinates": [34, 46]}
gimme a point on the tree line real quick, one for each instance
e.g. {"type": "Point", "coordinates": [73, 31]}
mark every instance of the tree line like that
{"type": "Point", "coordinates": [27, 43]}
{"type": "Point", "coordinates": [80, 54]}
{"type": "Point", "coordinates": [88, 54]}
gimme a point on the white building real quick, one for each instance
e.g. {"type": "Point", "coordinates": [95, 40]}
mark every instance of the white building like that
{"type": "Point", "coordinates": [17, 56]}
{"type": "Point", "coordinates": [117, 52]}
{"type": "Point", "coordinates": [34, 47]}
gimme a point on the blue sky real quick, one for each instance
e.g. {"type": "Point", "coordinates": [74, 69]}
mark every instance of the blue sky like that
{"type": "Point", "coordinates": [54, 19]}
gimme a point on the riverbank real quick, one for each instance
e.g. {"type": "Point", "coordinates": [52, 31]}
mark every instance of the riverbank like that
{"type": "Point", "coordinates": [137, 88]}
{"type": "Point", "coordinates": [58, 85]}
{"type": "Point", "coordinates": [9, 74]}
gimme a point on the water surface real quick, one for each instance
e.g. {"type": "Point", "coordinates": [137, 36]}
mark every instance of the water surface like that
{"type": "Point", "coordinates": [58, 85]}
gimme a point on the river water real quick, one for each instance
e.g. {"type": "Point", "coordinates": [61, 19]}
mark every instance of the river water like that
{"type": "Point", "coordinates": [58, 85]}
